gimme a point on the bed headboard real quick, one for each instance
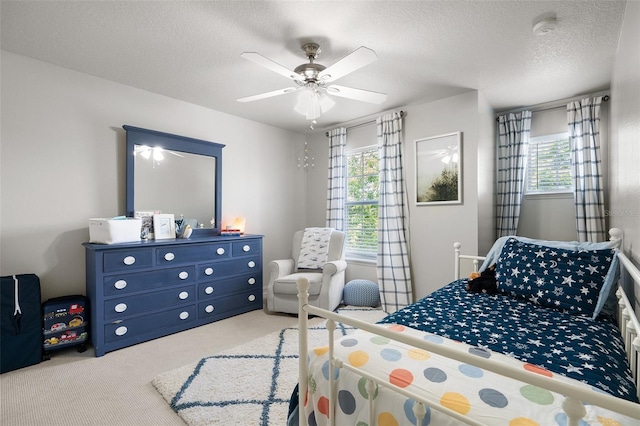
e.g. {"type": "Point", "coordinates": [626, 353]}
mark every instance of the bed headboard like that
{"type": "Point", "coordinates": [628, 294]}
{"type": "Point", "coordinates": [615, 234]}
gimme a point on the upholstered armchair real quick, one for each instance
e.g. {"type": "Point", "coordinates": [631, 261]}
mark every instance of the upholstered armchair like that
{"type": "Point", "coordinates": [325, 283]}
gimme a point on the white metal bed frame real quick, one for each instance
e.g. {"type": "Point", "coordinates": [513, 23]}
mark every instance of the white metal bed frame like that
{"type": "Point", "coordinates": [574, 395]}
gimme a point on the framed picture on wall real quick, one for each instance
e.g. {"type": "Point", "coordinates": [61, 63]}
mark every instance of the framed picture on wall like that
{"type": "Point", "coordinates": [439, 169]}
{"type": "Point", "coordinates": [164, 226]}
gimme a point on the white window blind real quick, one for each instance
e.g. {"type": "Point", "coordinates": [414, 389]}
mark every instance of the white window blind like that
{"type": "Point", "coordinates": [549, 164]}
{"type": "Point", "coordinates": [363, 191]}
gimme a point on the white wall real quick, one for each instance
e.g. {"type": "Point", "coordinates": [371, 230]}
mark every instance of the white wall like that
{"type": "Point", "coordinates": [548, 217]}
{"type": "Point", "coordinates": [433, 229]}
{"type": "Point", "coordinates": [624, 199]}
{"type": "Point", "coordinates": [486, 175]}
{"type": "Point", "coordinates": [63, 161]}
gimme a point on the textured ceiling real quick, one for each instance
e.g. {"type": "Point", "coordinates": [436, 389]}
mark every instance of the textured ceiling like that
{"type": "Point", "coordinates": [427, 50]}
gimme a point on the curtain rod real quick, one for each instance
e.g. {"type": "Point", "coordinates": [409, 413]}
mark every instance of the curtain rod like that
{"type": "Point", "coordinates": [605, 98]}
{"type": "Point", "coordinates": [355, 126]}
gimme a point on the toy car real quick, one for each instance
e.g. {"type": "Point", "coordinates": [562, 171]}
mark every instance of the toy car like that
{"type": "Point", "coordinates": [58, 326]}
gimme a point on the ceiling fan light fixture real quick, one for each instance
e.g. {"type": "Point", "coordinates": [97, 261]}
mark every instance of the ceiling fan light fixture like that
{"type": "Point", "coordinates": [305, 99]}
{"type": "Point", "coordinates": [157, 154]}
{"type": "Point", "coordinates": [144, 150]}
{"type": "Point", "coordinates": [313, 103]}
{"type": "Point", "coordinates": [326, 103]}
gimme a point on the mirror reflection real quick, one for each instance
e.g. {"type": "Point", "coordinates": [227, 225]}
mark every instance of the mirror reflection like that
{"type": "Point", "coordinates": [175, 182]}
{"type": "Point", "coordinates": [177, 175]}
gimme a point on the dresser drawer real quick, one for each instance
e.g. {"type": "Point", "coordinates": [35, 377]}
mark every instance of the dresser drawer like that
{"type": "Point", "coordinates": [149, 280]}
{"type": "Point", "coordinates": [220, 306]}
{"type": "Point", "coordinates": [228, 286]}
{"type": "Point", "coordinates": [192, 253]}
{"type": "Point", "coordinates": [246, 247]}
{"type": "Point", "coordinates": [135, 328]}
{"type": "Point", "coordinates": [132, 305]}
{"type": "Point", "coordinates": [242, 266]}
{"type": "Point", "coordinates": [127, 260]}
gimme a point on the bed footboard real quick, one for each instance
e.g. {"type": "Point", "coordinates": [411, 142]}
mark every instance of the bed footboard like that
{"type": "Point", "coordinates": [628, 319]}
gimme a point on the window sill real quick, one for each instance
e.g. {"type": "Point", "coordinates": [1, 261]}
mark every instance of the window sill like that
{"type": "Point", "coordinates": [543, 195]}
{"type": "Point", "coordinates": [361, 260]}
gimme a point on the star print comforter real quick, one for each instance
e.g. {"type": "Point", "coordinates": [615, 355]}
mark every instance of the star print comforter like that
{"type": "Point", "coordinates": [532, 337]}
{"type": "Point", "coordinates": [574, 346]}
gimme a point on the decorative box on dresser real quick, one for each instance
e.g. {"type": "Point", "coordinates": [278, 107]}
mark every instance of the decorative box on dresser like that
{"type": "Point", "coordinates": [141, 291]}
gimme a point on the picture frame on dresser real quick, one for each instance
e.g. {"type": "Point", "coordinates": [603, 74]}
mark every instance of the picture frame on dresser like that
{"type": "Point", "coordinates": [146, 230]}
{"type": "Point", "coordinates": [164, 226]}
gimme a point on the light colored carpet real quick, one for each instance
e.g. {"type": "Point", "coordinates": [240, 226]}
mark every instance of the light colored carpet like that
{"type": "Point", "coordinates": [78, 389]}
{"type": "Point", "coordinates": [250, 384]}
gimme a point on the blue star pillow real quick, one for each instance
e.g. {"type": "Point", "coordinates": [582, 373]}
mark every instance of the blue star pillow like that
{"type": "Point", "coordinates": [566, 280]}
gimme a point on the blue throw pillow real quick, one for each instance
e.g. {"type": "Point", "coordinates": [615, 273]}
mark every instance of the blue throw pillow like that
{"type": "Point", "coordinates": [562, 279]}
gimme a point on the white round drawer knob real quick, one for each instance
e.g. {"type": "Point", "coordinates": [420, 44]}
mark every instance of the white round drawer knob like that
{"type": "Point", "coordinates": [208, 290]}
{"type": "Point", "coordinates": [183, 275]}
{"type": "Point", "coordinates": [129, 260]}
{"type": "Point", "coordinates": [120, 284]}
{"type": "Point", "coordinates": [121, 331]}
{"type": "Point", "coordinates": [120, 307]}
{"type": "Point", "coordinates": [184, 315]}
{"type": "Point", "coordinates": [252, 298]}
{"type": "Point", "coordinates": [246, 247]}
{"type": "Point", "coordinates": [208, 309]}
{"type": "Point", "coordinates": [183, 295]}
{"type": "Point", "coordinates": [220, 251]}
{"type": "Point", "coordinates": [252, 281]}
{"type": "Point", "coordinates": [251, 264]}
{"type": "Point", "coordinates": [208, 271]}
{"type": "Point", "coordinates": [169, 257]}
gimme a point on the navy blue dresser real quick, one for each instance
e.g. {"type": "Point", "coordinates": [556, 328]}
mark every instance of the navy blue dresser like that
{"type": "Point", "coordinates": [144, 290]}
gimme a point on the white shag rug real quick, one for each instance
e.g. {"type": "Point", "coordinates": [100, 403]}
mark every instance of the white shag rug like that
{"type": "Point", "coordinates": [250, 384]}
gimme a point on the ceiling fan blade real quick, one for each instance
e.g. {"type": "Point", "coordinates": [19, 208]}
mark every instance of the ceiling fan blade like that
{"type": "Point", "coordinates": [357, 59]}
{"type": "Point", "coordinates": [357, 94]}
{"type": "Point", "coordinates": [269, 64]}
{"type": "Point", "coordinates": [268, 94]}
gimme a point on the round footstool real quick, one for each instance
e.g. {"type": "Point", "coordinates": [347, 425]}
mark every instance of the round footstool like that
{"type": "Point", "coordinates": [361, 293]}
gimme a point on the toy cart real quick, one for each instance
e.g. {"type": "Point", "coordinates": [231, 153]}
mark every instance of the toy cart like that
{"type": "Point", "coordinates": [65, 323]}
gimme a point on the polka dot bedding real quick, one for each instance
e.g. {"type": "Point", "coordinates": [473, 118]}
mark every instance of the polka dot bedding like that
{"type": "Point", "coordinates": [463, 388]}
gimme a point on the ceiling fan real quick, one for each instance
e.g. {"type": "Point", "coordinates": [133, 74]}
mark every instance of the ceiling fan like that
{"type": "Point", "coordinates": [314, 80]}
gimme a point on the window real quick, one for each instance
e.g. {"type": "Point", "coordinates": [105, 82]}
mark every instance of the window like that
{"type": "Point", "coordinates": [549, 164]}
{"type": "Point", "coordinates": [361, 205]}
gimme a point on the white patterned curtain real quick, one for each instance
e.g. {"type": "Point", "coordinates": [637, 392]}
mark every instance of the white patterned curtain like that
{"type": "Point", "coordinates": [514, 130]}
{"type": "Point", "coordinates": [393, 270]}
{"type": "Point", "coordinates": [584, 137]}
{"type": "Point", "coordinates": [336, 194]}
